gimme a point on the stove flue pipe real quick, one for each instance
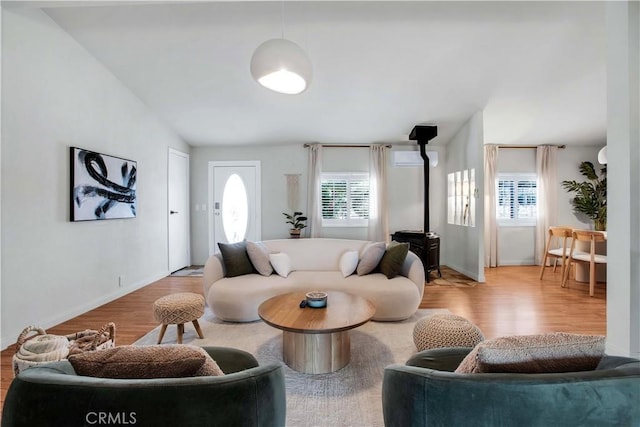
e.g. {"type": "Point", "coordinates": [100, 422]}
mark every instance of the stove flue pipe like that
{"type": "Point", "coordinates": [423, 134]}
{"type": "Point", "coordinates": [425, 167]}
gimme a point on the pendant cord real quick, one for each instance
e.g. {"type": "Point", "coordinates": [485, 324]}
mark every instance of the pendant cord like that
{"type": "Point", "coordinates": [282, 19]}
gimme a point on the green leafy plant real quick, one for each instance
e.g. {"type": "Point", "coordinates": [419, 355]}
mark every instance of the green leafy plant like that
{"type": "Point", "coordinates": [297, 220]}
{"type": "Point", "coordinates": [591, 195]}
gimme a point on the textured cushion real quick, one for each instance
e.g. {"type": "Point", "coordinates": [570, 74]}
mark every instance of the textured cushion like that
{"type": "Point", "coordinates": [235, 258]}
{"type": "Point", "coordinates": [393, 258]}
{"type": "Point", "coordinates": [348, 263]}
{"type": "Point", "coordinates": [371, 257]}
{"type": "Point", "coordinates": [445, 330]}
{"type": "Point", "coordinates": [259, 257]}
{"type": "Point", "coordinates": [546, 353]}
{"type": "Point", "coordinates": [154, 361]}
{"type": "Point", "coordinates": [281, 263]}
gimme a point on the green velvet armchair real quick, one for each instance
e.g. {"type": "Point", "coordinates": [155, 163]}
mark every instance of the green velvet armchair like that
{"type": "Point", "coordinates": [53, 395]}
{"type": "Point", "coordinates": [426, 392]}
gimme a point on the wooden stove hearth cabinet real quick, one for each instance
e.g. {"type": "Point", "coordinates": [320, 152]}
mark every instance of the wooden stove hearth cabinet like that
{"type": "Point", "coordinates": [425, 245]}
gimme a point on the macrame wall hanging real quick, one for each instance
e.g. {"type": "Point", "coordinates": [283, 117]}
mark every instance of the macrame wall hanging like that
{"type": "Point", "coordinates": [293, 190]}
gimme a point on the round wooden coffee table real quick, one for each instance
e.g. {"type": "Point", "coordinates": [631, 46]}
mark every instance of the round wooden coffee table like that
{"type": "Point", "coordinates": [316, 340]}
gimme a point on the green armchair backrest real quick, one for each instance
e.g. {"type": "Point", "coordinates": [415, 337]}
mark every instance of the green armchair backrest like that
{"type": "Point", "coordinates": [421, 396]}
{"type": "Point", "coordinates": [53, 395]}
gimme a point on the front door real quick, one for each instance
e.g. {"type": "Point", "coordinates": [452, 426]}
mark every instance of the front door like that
{"type": "Point", "coordinates": [178, 201]}
{"type": "Point", "coordinates": [235, 212]}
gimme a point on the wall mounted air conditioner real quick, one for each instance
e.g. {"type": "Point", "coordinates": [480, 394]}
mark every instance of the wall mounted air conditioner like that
{"type": "Point", "coordinates": [406, 159]}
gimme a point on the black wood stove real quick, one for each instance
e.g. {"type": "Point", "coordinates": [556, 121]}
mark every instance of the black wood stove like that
{"type": "Point", "coordinates": [425, 244]}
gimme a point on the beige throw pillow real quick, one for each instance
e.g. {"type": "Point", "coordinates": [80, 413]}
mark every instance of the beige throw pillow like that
{"type": "Point", "coordinates": [259, 256]}
{"type": "Point", "coordinates": [546, 353]}
{"type": "Point", "coordinates": [153, 361]}
{"type": "Point", "coordinates": [371, 256]}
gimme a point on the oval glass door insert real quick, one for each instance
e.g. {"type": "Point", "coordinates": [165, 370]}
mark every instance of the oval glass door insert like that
{"type": "Point", "coordinates": [235, 209]}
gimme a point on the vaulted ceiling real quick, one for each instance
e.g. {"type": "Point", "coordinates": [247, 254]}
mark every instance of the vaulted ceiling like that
{"type": "Point", "coordinates": [536, 69]}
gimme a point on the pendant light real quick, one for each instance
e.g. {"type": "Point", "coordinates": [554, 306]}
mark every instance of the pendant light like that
{"type": "Point", "coordinates": [281, 65]}
{"type": "Point", "coordinates": [602, 156]}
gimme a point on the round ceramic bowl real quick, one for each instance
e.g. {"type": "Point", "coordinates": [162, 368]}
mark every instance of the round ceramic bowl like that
{"type": "Point", "coordinates": [316, 299]}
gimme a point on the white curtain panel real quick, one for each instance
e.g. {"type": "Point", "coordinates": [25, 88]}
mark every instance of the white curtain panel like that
{"type": "Point", "coordinates": [314, 215]}
{"type": "Point", "coordinates": [378, 194]}
{"type": "Point", "coordinates": [490, 223]}
{"type": "Point", "coordinates": [546, 168]}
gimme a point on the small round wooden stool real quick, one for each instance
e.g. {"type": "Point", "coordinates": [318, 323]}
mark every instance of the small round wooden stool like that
{"type": "Point", "coordinates": [178, 309]}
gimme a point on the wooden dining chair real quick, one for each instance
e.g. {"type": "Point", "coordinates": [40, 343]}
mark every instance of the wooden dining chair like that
{"type": "Point", "coordinates": [591, 257]}
{"type": "Point", "coordinates": [557, 248]}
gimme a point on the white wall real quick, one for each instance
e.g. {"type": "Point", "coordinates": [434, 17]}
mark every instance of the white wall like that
{"type": "Point", "coordinates": [56, 95]}
{"type": "Point", "coordinates": [516, 245]}
{"type": "Point", "coordinates": [275, 162]}
{"type": "Point", "coordinates": [2, 346]}
{"type": "Point", "coordinates": [462, 246]}
{"type": "Point", "coordinates": [623, 193]}
{"type": "Point", "coordinates": [406, 194]}
{"type": "Point", "coordinates": [405, 184]}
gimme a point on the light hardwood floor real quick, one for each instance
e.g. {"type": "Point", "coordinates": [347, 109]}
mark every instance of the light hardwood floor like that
{"type": "Point", "coordinates": [512, 301]}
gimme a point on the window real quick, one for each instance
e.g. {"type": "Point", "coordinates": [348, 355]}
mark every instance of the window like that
{"type": "Point", "coordinates": [235, 209]}
{"type": "Point", "coordinates": [461, 193]}
{"type": "Point", "coordinates": [345, 199]}
{"type": "Point", "coordinates": [517, 198]}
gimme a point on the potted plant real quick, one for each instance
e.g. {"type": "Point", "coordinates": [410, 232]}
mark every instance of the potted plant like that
{"type": "Point", "coordinates": [297, 221]}
{"type": "Point", "coordinates": [591, 195]}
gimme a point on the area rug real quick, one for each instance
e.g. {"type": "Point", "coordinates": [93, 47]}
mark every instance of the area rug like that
{"type": "Point", "coordinates": [193, 271]}
{"type": "Point", "coordinates": [348, 397]}
{"type": "Point", "coordinates": [450, 277]}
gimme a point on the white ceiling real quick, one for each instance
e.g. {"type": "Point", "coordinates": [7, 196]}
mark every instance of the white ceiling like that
{"type": "Point", "coordinates": [537, 69]}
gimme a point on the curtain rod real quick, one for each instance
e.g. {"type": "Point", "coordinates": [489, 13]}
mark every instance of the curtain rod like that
{"type": "Point", "coordinates": [346, 145]}
{"type": "Point", "coordinates": [561, 147]}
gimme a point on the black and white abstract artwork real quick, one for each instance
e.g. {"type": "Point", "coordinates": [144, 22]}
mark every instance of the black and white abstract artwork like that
{"type": "Point", "coordinates": [102, 186]}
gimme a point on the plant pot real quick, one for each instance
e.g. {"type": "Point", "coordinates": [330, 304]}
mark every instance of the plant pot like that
{"type": "Point", "coordinates": [600, 224]}
{"type": "Point", "coordinates": [294, 233]}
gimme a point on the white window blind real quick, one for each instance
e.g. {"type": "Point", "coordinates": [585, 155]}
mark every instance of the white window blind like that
{"type": "Point", "coordinates": [345, 199]}
{"type": "Point", "coordinates": [517, 199]}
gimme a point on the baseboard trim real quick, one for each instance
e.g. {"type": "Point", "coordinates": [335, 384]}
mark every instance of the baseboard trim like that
{"type": "Point", "coordinates": [519, 262]}
{"type": "Point", "coordinates": [63, 317]}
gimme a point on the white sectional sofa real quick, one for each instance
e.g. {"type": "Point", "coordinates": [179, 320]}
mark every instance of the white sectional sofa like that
{"type": "Point", "coordinates": [315, 266]}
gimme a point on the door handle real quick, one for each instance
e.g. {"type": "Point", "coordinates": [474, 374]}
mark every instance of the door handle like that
{"type": "Point", "coordinates": [173, 212]}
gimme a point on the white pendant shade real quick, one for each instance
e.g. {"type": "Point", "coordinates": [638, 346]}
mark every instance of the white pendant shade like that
{"type": "Point", "coordinates": [602, 156]}
{"type": "Point", "coordinates": [282, 66]}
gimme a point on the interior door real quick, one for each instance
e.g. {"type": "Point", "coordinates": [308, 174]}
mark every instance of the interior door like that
{"type": "Point", "coordinates": [178, 201]}
{"type": "Point", "coordinates": [234, 190]}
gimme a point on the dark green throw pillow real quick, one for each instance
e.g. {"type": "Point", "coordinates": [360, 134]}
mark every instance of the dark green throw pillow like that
{"type": "Point", "coordinates": [235, 258]}
{"type": "Point", "coordinates": [393, 258]}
